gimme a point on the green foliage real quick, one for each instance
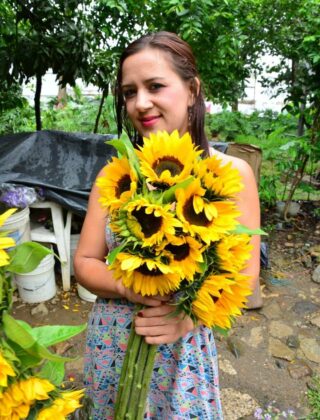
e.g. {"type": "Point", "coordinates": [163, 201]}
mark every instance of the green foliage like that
{"type": "Point", "coordinates": [15, 120]}
{"type": "Point", "coordinates": [313, 395]}
{"type": "Point", "coordinates": [10, 96]}
{"type": "Point", "coordinates": [225, 37]}
{"type": "Point", "coordinates": [78, 115]}
{"type": "Point", "coordinates": [282, 149]}
{"type": "Point", "coordinates": [26, 257]}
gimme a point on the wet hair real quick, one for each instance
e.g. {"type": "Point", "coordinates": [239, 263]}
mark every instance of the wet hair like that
{"type": "Point", "coordinates": [183, 62]}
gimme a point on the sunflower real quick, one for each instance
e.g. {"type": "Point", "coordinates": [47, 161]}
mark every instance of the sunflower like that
{"type": "Point", "coordinates": [232, 299]}
{"type": "Point", "coordinates": [220, 298]}
{"type": "Point", "coordinates": [145, 221]}
{"type": "Point", "coordinates": [220, 180]}
{"type": "Point", "coordinates": [118, 183]}
{"type": "Point", "coordinates": [5, 371]}
{"type": "Point", "coordinates": [12, 408]}
{"type": "Point", "coordinates": [210, 291]}
{"type": "Point", "coordinates": [186, 255]}
{"type": "Point", "coordinates": [233, 251]}
{"type": "Point", "coordinates": [5, 242]}
{"type": "Point", "coordinates": [147, 276]}
{"type": "Point", "coordinates": [34, 388]}
{"type": "Point", "coordinates": [201, 217]}
{"type": "Point", "coordinates": [167, 158]}
{"type": "Point", "coordinates": [61, 407]}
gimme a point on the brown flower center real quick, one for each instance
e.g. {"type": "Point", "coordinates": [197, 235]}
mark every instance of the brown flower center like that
{"type": "Point", "coordinates": [168, 163]}
{"type": "Point", "coordinates": [150, 224]}
{"type": "Point", "coordinates": [180, 252]}
{"type": "Point", "coordinates": [215, 298]}
{"type": "Point", "coordinates": [198, 219]}
{"type": "Point", "coordinates": [123, 185]}
{"type": "Point", "coordinates": [143, 269]}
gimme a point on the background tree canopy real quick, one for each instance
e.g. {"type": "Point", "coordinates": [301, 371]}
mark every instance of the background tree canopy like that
{"type": "Point", "coordinates": [84, 39]}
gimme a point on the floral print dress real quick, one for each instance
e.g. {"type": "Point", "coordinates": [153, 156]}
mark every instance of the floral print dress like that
{"type": "Point", "coordinates": [184, 382]}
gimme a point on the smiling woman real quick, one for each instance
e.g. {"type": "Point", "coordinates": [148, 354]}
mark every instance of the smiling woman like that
{"type": "Point", "coordinates": [158, 88]}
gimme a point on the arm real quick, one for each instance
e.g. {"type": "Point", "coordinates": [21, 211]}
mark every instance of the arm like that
{"type": "Point", "coordinates": [249, 206]}
{"type": "Point", "coordinates": [89, 260]}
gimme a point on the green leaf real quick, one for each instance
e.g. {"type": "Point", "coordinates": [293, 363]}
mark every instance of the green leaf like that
{"type": "Point", "coordinates": [169, 195]}
{"type": "Point", "coordinates": [223, 331]}
{"type": "Point", "coordinates": [113, 254]}
{"type": "Point", "coordinates": [26, 257]}
{"type": "Point", "coordinates": [53, 371]}
{"type": "Point", "coordinates": [243, 229]}
{"type": "Point", "coordinates": [22, 337]}
{"type": "Point", "coordinates": [125, 147]}
{"type": "Point", "coordinates": [49, 335]}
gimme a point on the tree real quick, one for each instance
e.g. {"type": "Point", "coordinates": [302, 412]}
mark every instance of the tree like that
{"type": "Point", "coordinates": [292, 32]}
{"type": "Point", "coordinates": [40, 35]}
{"type": "Point", "coordinates": [224, 35]}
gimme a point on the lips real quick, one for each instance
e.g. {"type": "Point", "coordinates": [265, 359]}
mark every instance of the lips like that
{"type": "Point", "coordinates": [149, 121]}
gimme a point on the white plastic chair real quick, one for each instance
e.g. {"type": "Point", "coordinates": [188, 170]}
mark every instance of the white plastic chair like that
{"type": "Point", "coordinates": [60, 236]}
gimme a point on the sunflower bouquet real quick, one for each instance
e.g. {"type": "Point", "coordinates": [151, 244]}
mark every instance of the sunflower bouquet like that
{"type": "Point", "coordinates": [31, 376]}
{"type": "Point", "coordinates": [174, 219]}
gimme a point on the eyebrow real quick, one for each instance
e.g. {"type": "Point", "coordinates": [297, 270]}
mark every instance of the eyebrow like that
{"type": "Point", "coordinates": [152, 79]}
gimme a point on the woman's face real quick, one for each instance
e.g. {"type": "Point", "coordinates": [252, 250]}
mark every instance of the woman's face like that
{"type": "Point", "coordinates": [155, 95]}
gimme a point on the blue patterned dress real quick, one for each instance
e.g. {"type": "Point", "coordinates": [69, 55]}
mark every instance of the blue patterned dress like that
{"type": "Point", "coordinates": [184, 382]}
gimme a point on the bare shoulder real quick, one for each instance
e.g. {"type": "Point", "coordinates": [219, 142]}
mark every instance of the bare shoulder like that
{"type": "Point", "coordinates": [243, 167]}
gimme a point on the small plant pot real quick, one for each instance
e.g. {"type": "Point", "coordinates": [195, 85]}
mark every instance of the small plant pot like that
{"type": "Point", "coordinates": [293, 208]}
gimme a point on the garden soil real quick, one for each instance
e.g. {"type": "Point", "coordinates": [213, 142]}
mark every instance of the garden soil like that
{"type": "Point", "coordinates": [271, 353]}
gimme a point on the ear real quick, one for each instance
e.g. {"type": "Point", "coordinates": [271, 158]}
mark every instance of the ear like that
{"type": "Point", "coordinates": [194, 87]}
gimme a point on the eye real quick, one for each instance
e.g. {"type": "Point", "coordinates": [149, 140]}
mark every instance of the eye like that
{"type": "Point", "coordinates": [155, 87]}
{"type": "Point", "coordinates": [129, 93]}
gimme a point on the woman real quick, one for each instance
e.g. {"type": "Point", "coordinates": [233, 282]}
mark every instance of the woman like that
{"type": "Point", "coordinates": [157, 89]}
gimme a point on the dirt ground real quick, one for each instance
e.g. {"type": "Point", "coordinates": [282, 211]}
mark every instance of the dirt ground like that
{"type": "Point", "coordinates": [271, 353]}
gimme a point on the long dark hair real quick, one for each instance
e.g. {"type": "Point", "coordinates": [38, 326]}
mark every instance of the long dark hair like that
{"type": "Point", "coordinates": [184, 64]}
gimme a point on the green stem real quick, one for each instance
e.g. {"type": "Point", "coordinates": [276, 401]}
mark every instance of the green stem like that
{"type": "Point", "coordinates": [124, 368]}
{"type": "Point", "coordinates": [138, 379]}
{"type": "Point", "coordinates": [133, 352]}
{"type": "Point", "coordinates": [152, 350]}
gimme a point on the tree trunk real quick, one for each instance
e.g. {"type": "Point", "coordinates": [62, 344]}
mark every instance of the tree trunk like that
{"type": "Point", "coordinates": [62, 96]}
{"type": "Point", "coordinates": [37, 102]}
{"type": "Point", "coordinates": [235, 105]}
{"type": "Point", "coordinates": [301, 121]}
{"type": "Point", "coordinates": [103, 96]}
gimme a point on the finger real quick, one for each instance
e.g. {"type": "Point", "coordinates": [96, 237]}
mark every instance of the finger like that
{"type": "Point", "coordinates": [164, 298]}
{"type": "Point", "coordinates": [161, 339]}
{"type": "Point", "coordinates": [162, 310]}
{"type": "Point", "coordinates": [155, 330]}
{"type": "Point", "coordinates": [146, 300]}
{"type": "Point", "coordinates": [154, 322]}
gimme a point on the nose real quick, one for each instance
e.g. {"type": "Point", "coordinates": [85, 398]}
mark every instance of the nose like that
{"type": "Point", "coordinates": [143, 100]}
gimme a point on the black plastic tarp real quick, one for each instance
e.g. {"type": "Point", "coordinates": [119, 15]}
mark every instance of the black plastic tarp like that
{"type": "Point", "coordinates": [63, 164]}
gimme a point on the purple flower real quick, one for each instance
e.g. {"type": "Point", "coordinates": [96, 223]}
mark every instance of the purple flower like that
{"type": "Point", "coordinates": [258, 413]}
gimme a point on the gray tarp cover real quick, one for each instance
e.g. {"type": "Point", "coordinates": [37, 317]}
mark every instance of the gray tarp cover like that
{"type": "Point", "coordinates": [63, 164]}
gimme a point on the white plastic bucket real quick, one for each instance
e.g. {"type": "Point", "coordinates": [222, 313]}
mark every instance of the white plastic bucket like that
{"type": "Point", "coordinates": [19, 226]}
{"type": "Point", "coordinates": [85, 294]}
{"type": "Point", "coordinates": [74, 239]}
{"type": "Point", "coordinates": [38, 285]}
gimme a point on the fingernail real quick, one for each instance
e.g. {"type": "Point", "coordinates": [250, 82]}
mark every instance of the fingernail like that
{"type": "Point", "coordinates": [140, 314]}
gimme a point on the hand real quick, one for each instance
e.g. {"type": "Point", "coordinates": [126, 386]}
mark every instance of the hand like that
{"type": "Point", "coordinates": [130, 295]}
{"type": "Point", "coordinates": [159, 327]}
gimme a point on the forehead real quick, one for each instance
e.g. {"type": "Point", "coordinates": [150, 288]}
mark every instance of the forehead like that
{"type": "Point", "coordinates": [146, 64]}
